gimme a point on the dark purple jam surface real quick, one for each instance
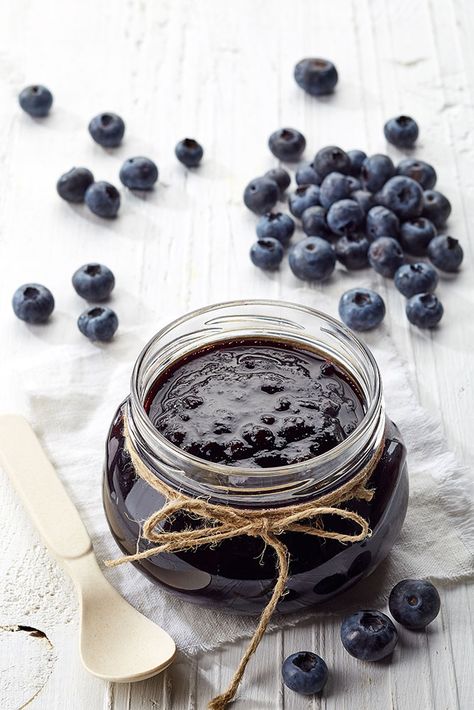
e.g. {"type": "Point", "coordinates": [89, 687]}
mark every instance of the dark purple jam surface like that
{"type": "Point", "coordinates": [254, 403]}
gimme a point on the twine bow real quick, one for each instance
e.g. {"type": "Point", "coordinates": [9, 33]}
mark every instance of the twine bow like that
{"type": "Point", "coordinates": [221, 522]}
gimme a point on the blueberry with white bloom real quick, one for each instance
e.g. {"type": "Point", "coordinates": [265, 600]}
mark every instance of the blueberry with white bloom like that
{"type": "Point", "coordinates": [313, 222]}
{"type": "Point", "coordinates": [403, 196]}
{"type": "Point", "coordinates": [445, 253]}
{"type": "Point", "coordinates": [307, 175]}
{"type": "Point", "coordinates": [316, 76]}
{"type": "Point", "coordinates": [385, 256]}
{"type": "Point", "coordinates": [94, 282]}
{"type": "Point", "coordinates": [361, 309]}
{"type": "Point", "coordinates": [375, 171]}
{"type": "Point", "coordinates": [98, 323]}
{"type": "Point", "coordinates": [418, 170]}
{"type": "Point", "coordinates": [304, 672]}
{"type": "Point", "coordinates": [267, 253]}
{"type": "Point", "coordinates": [382, 222]}
{"type": "Point", "coordinates": [436, 207]}
{"type": "Point", "coordinates": [189, 152]}
{"type": "Point", "coordinates": [416, 234]}
{"type": "Point", "coordinates": [33, 303]}
{"type": "Point", "coordinates": [281, 177]}
{"type": "Point", "coordinates": [303, 197]}
{"type": "Point", "coordinates": [356, 158]}
{"type": "Point", "coordinates": [277, 226]}
{"type": "Point", "coordinates": [414, 603]}
{"type": "Point", "coordinates": [103, 199]}
{"type": "Point", "coordinates": [344, 217]}
{"type": "Point", "coordinates": [401, 131]}
{"type": "Point", "coordinates": [287, 144]}
{"type": "Point", "coordinates": [351, 251]}
{"type": "Point", "coordinates": [424, 310]}
{"type": "Point", "coordinates": [139, 173]}
{"type": "Point", "coordinates": [331, 159]}
{"type": "Point", "coordinates": [72, 185]}
{"type": "Point", "coordinates": [364, 199]}
{"type": "Point", "coordinates": [36, 100]}
{"type": "Point", "coordinates": [411, 279]}
{"type": "Point", "coordinates": [368, 635]}
{"type": "Point", "coordinates": [261, 195]}
{"type": "Point", "coordinates": [334, 187]}
{"type": "Point", "coordinates": [312, 259]}
{"type": "Point", "coordinates": [107, 129]}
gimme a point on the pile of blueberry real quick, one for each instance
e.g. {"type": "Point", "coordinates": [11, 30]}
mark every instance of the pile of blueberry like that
{"type": "Point", "coordinates": [368, 635]}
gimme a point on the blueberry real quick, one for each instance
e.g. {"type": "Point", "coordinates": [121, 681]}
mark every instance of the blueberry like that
{"type": "Point", "coordinates": [307, 175]}
{"type": "Point", "coordinates": [189, 152]}
{"type": "Point", "coordinates": [356, 158]}
{"type": "Point", "coordinates": [416, 278]}
{"type": "Point", "coordinates": [312, 259]}
{"type": "Point", "coordinates": [314, 222]}
{"type": "Point", "coordinates": [36, 100]}
{"type": "Point", "coordinates": [416, 234]}
{"type": "Point", "coordinates": [303, 197]}
{"type": "Point", "coordinates": [331, 159]}
{"type": "Point", "coordinates": [364, 199]}
{"type": "Point", "coordinates": [401, 131]}
{"type": "Point", "coordinates": [424, 310]}
{"type": "Point", "coordinates": [316, 76]}
{"type": "Point", "coordinates": [414, 603]}
{"type": "Point", "coordinates": [385, 256]}
{"type": "Point", "coordinates": [33, 303]}
{"type": "Point", "coordinates": [277, 226]}
{"type": "Point", "coordinates": [375, 171]}
{"type": "Point", "coordinates": [103, 199]}
{"type": "Point", "coordinates": [361, 309]}
{"type": "Point", "coordinates": [139, 173]}
{"type": "Point", "coordinates": [344, 217]}
{"type": "Point", "coordinates": [261, 195]}
{"type": "Point", "coordinates": [418, 170]}
{"type": "Point", "coordinates": [351, 251]}
{"type": "Point", "coordinates": [98, 323]}
{"type": "Point", "coordinates": [403, 196]}
{"type": "Point", "coordinates": [446, 253]}
{"type": "Point", "coordinates": [94, 282]}
{"type": "Point", "coordinates": [382, 222]}
{"type": "Point", "coordinates": [287, 144]}
{"type": "Point", "coordinates": [334, 187]}
{"type": "Point", "coordinates": [304, 672]}
{"type": "Point", "coordinates": [281, 177]}
{"type": "Point", "coordinates": [436, 207]}
{"type": "Point", "coordinates": [267, 253]}
{"type": "Point", "coordinates": [354, 183]}
{"type": "Point", "coordinates": [368, 635]}
{"type": "Point", "coordinates": [107, 129]}
{"type": "Point", "coordinates": [72, 185]}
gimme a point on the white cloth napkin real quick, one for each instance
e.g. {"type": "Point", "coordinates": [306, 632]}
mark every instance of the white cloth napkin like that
{"type": "Point", "coordinates": [72, 392]}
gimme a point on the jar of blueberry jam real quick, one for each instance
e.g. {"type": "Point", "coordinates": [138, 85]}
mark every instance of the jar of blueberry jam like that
{"type": "Point", "coordinates": [256, 404]}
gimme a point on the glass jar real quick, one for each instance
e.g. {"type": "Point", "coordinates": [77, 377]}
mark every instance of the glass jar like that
{"type": "Point", "coordinates": [238, 574]}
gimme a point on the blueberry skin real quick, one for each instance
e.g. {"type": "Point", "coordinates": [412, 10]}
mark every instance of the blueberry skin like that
{"type": "Point", "coordinates": [445, 253]}
{"type": "Point", "coordinates": [375, 171]}
{"type": "Point", "coordinates": [307, 175]}
{"type": "Point", "coordinates": [98, 323]}
{"type": "Point", "coordinates": [138, 173]}
{"type": "Point", "coordinates": [312, 259]}
{"type": "Point", "coordinates": [416, 234]}
{"type": "Point", "coordinates": [382, 222]}
{"type": "Point", "coordinates": [354, 183]}
{"type": "Point", "coordinates": [364, 199]}
{"type": "Point", "coordinates": [314, 222]}
{"type": "Point", "coordinates": [331, 159]}
{"type": "Point", "coordinates": [287, 144]}
{"type": "Point", "coordinates": [411, 279]}
{"type": "Point", "coordinates": [401, 131]}
{"type": "Point", "coordinates": [107, 129]}
{"type": "Point", "coordinates": [36, 100]}
{"type": "Point", "coordinates": [418, 170]}
{"type": "Point", "coordinates": [33, 303]}
{"type": "Point", "coordinates": [356, 158]}
{"type": "Point", "coordinates": [261, 195]}
{"type": "Point", "coordinates": [316, 76]}
{"type": "Point", "coordinates": [414, 603]}
{"type": "Point", "coordinates": [424, 310]}
{"type": "Point", "coordinates": [403, 196]}
{"type": "Point", "coordinates": [436, 207]}
{"type": "Point", "coordinates": [334, 187]}
{"type": "Point", "coordinates": [303, 197]}
{"type": "Point", "coordinates": [189, 152]}
{"type": "Point", "coordinates": [351, 251]}
{"type": "Point", "coordinates": [103, 199]}
{"type": "Point", "coordinates": [94, 282]}
{"type": "Point", "coordinates": [281, 177]}
{"type": "Point", "coordinates": [368, 635]}
{"type": "Point", "coordinates": [385, 256]}
{"type": "Point", "coordinates": [361, 309]}
{"type": "Point", "coordinates": [267, 253]}
{"type": "Point", "coordinates": [304, 672]}
{"type": "Point", "coordinates": [276, 225]}
{"type": "Point", "coordinates": [72, 185]}
{"type": "Point", "coordinates": [345, 217]}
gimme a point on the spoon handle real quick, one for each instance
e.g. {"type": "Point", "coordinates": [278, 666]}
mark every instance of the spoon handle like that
{"type": "Point", "coordinates": [42, 493]}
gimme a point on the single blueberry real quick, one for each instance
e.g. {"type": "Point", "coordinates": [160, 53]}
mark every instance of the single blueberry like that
{"type": "Point", "coordinates": [424, 310]}
{"type": "Point", "coordinates": [277, 226]}
{"type": "Point", "coordinates": [94, 282]}
{"type": "Point", "coordinates": [267, 253]}
{"type": "Point", "coordinates": [103, 199]}
{"type": "Point", "coordinates": [287, 144]}
{"type": "Point", "coordinates": [304, 672]}
{"type": "Point", "coordinates": [98, 323]}
{"type": "Point", "coordinates": [261, 195]}
{"type": "Point", "coordinates": [416, 234]}
{"type": "Point", "coordinates": [314, 222]}
{"type": "Point", "coordinates": [385, 256]}
{"type": "Point", "coordinates": [403, 196]}
{"type": "Point", "coordinates": [351, 251]}
{"type": "Point", "coordinates": [312, 259]}
{"type": "Point", "coordinates": [33, 303]}
{"type": "Point", "coordinates": [316, 76]}
{"type": "Point", "coordinates": [344, 217]}
{"type": "Point", "coordinates": [331, 159]}
{"type": "Point", "coordinates": [416, 278]}
{"type": "Point", "coordinates": [414, 603]}
{"type": "Point", "coordinates": [436, 207]}
{"type": "Point", "coordinates": [281, 177]}
{"type": "Point", "coordinates": [189, 152]}
{"type": "Point", "coordinates": [401, 131]}
{"type": "Point", "coordinates": [303, 197]}
{"type": "Point", "coordinates": [368, 635]}
{"type": "Point", "coordinates": [307, 175]}
{"type": "Point", "coordinates": [356, 158]}
{"type": "Point", "coordinates": [364, 199]}
{"type": "Point", "coordinates": [446, 253]}
{"type": "Point", "coordinates": [418, 170]}
{"type": "Point", "coordinates": [36, 100]}
{"type": "Point", "coordinates": [139, 173]}
{"type": "Point", "coordinates": [334, 187]}
{"type": "Point", "coordinates": [107, 129]}
{"type": "Point", "coordinates": [382, 222]}
{"type": "Point", "coordinates": [361, 309]}
{"type": "Point", "coordinates": [72, 185]}
{"type": "Point", "coordinates": [375, 171]}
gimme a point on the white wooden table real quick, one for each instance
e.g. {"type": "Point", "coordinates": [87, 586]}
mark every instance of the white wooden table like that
{"type": "Point", "coordinates": [222, 72]}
